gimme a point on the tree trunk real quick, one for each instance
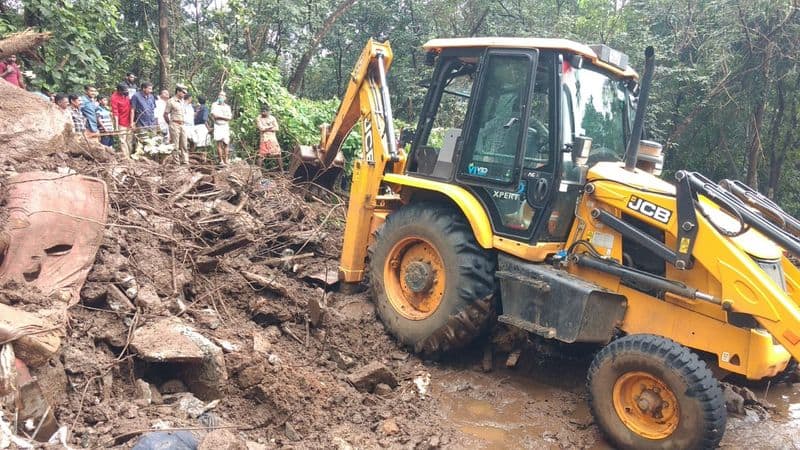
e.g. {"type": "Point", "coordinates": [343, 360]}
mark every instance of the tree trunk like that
{"type": "Point", "coordinates": [163, 43]}
{"type": "Point", "coordinates": [327, 24]}
{"type": "Point", "coordinates": [21, 42]}
{"type": "Point", "coordinates": [755, 149]}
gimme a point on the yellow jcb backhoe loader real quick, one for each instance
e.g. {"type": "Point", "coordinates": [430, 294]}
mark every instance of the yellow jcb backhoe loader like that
{"type": "Point", "coordinates": [527, 196]}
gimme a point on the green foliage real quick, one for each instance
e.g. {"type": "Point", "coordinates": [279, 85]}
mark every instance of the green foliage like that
{"type": "Point", "coordinates": [72, 57]}
{"type": "Point", "coordinates": [299, 119]}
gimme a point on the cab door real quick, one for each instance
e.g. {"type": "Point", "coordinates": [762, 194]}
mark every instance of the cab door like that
{"type": "Point", "coordinates": [506, 159]}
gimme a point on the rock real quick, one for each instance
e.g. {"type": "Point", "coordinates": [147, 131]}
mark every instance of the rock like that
{"type": "Point", "coordinates": [193, 406]}
{"type": "Point", "coordinates": [274, 359]}
{"type": "Point", "coordinates": [173, 387]}
{"type": "Point", "coordinates": [399, 356]}
{"type": "Point", "coordinates": [734, 402]}
{"type": "Point", "coordinates": [341, 444]}
{"type": "Point", "coordinates": [251, 375]}
{"type": "Point", "coordinates": [290, 433]}
{"type": "Point", "coordinates": [513, 358]}
{"type": "Point", "coordinates": [162, 440]}
{"type": "Point", "coordinates": [367, 377]}
{"type": "Point", "coordinates": [389, 427]}
{"type": "Point", "coordinates": [207, 317]}
{"type": "Point", "coordinates": [172, 341]}
{"type": "Point", "coordinates": [143, 391]}
{"type": "Point", "coordinates": [93, 293]}
{"type": "Point", "coordinates": [222, 440]}
{"type": "Point", "coordinates": [207, 264]}
{"type": "Point", "coordinates": [148, 299]}
{"type": "Point", "coordinates": [316, 311]}
{"type": "Point", "coordinates": [382, 389]}
{"type": "Point", "coordinates": [342, 360]}
{"type": "Point", "coordinates": [261, 344]}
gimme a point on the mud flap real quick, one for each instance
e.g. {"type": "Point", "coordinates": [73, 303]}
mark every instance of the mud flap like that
{"type": "Point", "coordinates": [555, 304]}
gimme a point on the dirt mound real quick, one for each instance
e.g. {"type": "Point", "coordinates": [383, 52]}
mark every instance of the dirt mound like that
{"type": "Point", "coordinates": [211, 305]}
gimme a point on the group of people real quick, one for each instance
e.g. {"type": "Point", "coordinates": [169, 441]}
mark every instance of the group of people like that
{"type": "Point", "coordinates": [133, 113]}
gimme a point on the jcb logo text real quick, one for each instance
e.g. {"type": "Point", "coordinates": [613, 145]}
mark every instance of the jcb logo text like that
{"type": "Point", "coordinates": [649, 209]}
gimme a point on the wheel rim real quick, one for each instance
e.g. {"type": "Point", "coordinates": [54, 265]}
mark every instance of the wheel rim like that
{"type": "Point", "coordinates": [646, 405]}
{"type": "Point", "coordinates": [414, 278]}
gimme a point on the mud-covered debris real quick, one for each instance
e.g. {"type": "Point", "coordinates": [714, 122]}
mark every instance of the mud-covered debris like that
{"type": "Point", "coordinates": [367, 377]}
{"type": "Point", "coordinates": [36, 338]}
{"type": "Point", "coordinates": [390, 427]}
{"type": "Point", "coordinates": [148, 299]}
{"type": "Point", "coordinates": [222, 440]}
{"type": "Point", "coordinates": [35, 414]}
{"type": "Point", "coordinates": [266, 282]}
{"type": "Point", "coordinates": [383, 389]}
{"type": "Point", "coordinates": [93, 293]}
{"type": "Point", "coordinates": [161, 440]}
{"type": "Point", "coordinates": [261, 343]}
{"type": "Point", "coordinates": [316, 311]}
{"type": "Point", "coordinates": [251, 375]}
{"type": "Point", "coordinates": [172, 341]}
{"type": "Point", "coordinates": [117, 299]}
{"type": "Point", "coordinates": [291, 433]}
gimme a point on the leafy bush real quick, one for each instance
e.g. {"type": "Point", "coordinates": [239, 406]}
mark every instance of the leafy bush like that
{"type": "Point", "coordinates": [299, 119]}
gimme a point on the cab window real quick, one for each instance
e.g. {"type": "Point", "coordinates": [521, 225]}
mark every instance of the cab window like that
{"type": "Point", "coordinates": [491, 151]}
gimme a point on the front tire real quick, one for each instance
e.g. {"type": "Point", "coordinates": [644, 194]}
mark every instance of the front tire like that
{"type": "Point", "coordinates": [433, 285]}
{"type": "Point", "coordinates": [649, 392]}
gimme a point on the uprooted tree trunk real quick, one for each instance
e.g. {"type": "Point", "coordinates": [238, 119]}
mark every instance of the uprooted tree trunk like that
{"type": "Point", "coordinates": [31, 126]}
{"type": "Point", "coordinates": [21, 42]}
{"type": "Point", "coordinates": [327, 25]}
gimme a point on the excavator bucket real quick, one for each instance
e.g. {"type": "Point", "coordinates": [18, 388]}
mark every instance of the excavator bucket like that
{"type": "Point", "coordinates": [308, 166]}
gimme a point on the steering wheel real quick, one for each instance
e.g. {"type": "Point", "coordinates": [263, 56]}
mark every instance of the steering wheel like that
{"type": "Point", "coordinates": [538, 140]}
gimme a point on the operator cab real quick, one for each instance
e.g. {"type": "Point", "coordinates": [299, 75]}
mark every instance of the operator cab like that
{"type": "Point", "coordinates": [517, 122]}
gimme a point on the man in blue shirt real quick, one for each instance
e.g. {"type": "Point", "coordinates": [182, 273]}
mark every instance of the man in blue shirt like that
{"type": "Point", "coordinates": [143, 106]}
{"type": "Point", "coordinates": [89, 108]}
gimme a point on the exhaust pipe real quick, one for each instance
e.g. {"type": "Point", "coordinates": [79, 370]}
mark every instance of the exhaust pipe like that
{"type": "Point", "coordinates": [632, 152]}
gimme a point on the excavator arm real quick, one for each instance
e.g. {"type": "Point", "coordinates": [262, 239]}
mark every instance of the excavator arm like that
{"type": "Point", "coordinates": [366, 100]}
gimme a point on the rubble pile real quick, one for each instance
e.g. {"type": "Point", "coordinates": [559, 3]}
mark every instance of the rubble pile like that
{"type": "Point", "coordinates": [210, 313]}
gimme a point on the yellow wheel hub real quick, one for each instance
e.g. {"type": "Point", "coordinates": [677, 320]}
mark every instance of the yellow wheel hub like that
{"type": "Point", "coordinates": [646, 405]}
{"type": "Point", "coordinates": [414, 278]}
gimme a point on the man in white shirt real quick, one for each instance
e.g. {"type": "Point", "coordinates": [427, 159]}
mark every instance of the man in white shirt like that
{"type": "Point", "coordinates": [161, 105]}
{"type": "Point", "coordinates": [221, 114]}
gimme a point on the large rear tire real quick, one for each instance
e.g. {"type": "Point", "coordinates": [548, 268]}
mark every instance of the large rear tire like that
{"type": "Point", "coordinates": [649, 392]}
{"type": "Point", "coordinates": [433, 285]}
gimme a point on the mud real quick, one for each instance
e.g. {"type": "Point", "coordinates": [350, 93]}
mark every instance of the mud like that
{"type": "Point", "coordinates": [287, 379]}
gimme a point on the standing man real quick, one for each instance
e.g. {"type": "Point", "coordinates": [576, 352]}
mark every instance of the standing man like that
{"type": "Point", "coordinates": [174, 116]}
{"type": "Point", "coordinates": [78, 121]}
{"type": "Point", "coordinates": [104, 123]}
{"type": "Point", "coordinates": [201, 123]}
{"type": "Point", "coordinates": [9, 71]}
{"type": "Point", "coordinates": [130, 84]}
{"type": "Point", "coordinates": [267, 126]}
{"type": "Point", "coordinates": [121, 110]}
{"type": "Point", "coordinates": [143, 106]}
{"type": "Point", "coordinates": [161, 104]}
{"type": "Point", "coordinates": [221, 113]}
{"type": "Point", "coordinates": [188, 125]}
{"type": "Point", "coordinates": [89, 108]}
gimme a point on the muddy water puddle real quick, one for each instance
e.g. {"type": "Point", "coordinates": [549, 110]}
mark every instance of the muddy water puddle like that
{"type": "Point", "coordinates": [543, 405]}
{"type": "Point", "coordinates": [537, 406]}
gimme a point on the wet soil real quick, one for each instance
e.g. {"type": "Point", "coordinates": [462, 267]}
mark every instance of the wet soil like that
{"type": "Point", "coordinates": [542, 404]}
{"type": "Point", "coordinates": [287, 379]}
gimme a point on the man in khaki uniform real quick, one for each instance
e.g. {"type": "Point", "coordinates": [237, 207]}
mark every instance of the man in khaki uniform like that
{"type": "Point", "coordinates": [174, 116]}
